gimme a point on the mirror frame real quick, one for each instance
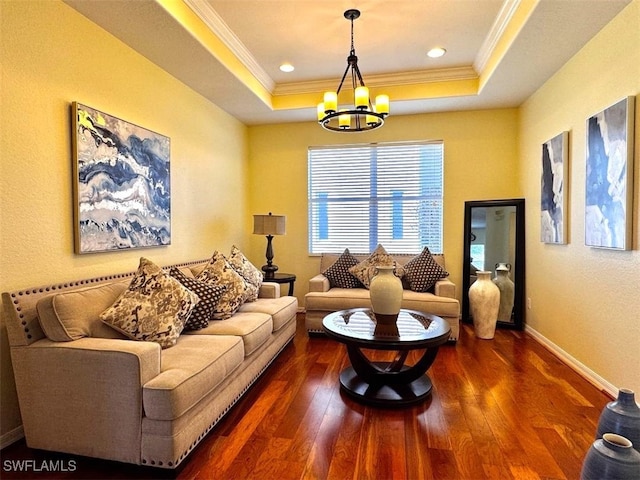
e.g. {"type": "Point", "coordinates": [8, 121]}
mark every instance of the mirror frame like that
{"type": "Point", "coordinates": [518, 274]}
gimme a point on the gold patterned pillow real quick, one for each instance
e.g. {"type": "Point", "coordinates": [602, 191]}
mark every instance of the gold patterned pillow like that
{"type": "Point", "coordinates": [248, 271]}
{"type": "Point", "coordinates": [366, 270]}
{"type": "Point", "coordinates": [154, 307]}
{"type": "Point", "coordinates": [219, 272]}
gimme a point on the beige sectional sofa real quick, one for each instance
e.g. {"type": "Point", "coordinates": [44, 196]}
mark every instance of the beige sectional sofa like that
{"type": "Point", "coordinates": [322, 299]}
{"type": "Point", "coordinates": [110, 397]}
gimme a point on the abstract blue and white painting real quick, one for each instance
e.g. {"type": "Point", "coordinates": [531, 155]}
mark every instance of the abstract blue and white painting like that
{"type": "Point", "coordinates": [122, 184]}
{"type": "Point", "coordinates": [609, 174]}
{"type": "Point", "coordinates": [553, 208]}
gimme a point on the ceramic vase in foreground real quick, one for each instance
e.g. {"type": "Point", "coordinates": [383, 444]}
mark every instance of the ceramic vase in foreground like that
{"type": "Point", "coordinates": [484, 300]}
{"type": "Point", "coordinates": [385, 292]}
{"type": "Point", "coordinates": [611, 458]}
{"type": "Point", "coordinates": [622, 416]}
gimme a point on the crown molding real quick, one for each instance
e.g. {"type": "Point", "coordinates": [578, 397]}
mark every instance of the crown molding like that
{"type": "Point", "coordinates": [503, 19]}
{"type": "Point", "coordinates": [210, 17]}
{"type": "Point", "coordinates": [382, 80]}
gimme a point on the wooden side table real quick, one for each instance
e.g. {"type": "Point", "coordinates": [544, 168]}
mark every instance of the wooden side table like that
{"type": "Point", "coordinates": [281, 278]}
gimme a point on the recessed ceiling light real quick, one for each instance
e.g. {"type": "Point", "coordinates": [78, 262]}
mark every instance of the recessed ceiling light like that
{"type": "Point", "coordinates": [287, 67]}
{"type": "Point", "coordinates": [436, 52]}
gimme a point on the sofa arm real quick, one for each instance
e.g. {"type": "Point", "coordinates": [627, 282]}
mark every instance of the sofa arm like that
{"type": "Point", "coordinates": [269, 290]}
{"type": "Point", "coordinates": [319, 283]}
{"type": "Point", "coordinates": [85, 396]}
{"type": "Point", "coordinates": [445, 288]}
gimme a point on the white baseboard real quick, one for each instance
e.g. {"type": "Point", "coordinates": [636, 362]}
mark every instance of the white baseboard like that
{"type": "Point", "coordinates": [11, 437]}
{"type": "Point", "coordinates": [581, 369]}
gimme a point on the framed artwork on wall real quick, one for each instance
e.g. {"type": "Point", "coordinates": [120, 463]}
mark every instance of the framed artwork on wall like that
{"type": "Point", "coordinates": [609, 177]}
{"type": "Point", "coordinates": [554, 182]}
{"type": "Point", "coordinates": [122, 183]}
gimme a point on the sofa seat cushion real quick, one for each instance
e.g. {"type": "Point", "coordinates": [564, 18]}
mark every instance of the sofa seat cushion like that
{"type": "Point", "coordinates": [253, 327]}
{"type": "Point", "coordinates": [188, 372]}
{"type": "Point", "coordinates": [338, 299]}
{"type": "Point", "coordinates": [345, 298]}
{"type": "Point", "coordinates": [280, 309]}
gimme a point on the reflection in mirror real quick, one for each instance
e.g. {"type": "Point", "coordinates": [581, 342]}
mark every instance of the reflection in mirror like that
{"type": "Point", "coordinates": [494, 242]}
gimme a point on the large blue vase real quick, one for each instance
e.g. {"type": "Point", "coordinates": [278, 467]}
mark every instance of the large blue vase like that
{"type": "Point", "coordinates": [622, 416]}
{"type": "Point", "coordinates": [611, 458]}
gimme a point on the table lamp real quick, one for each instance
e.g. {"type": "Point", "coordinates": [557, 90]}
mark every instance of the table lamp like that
{"type": "Point", "coordinates": [269, 225]}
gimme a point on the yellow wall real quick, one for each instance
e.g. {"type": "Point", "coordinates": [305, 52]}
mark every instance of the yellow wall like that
{"type": "Point", "coordinates": [480, 163]}
{"type": "Point", "coordinates": [585, 300]}
{"type": "Point", "coordinates": [51, 56]}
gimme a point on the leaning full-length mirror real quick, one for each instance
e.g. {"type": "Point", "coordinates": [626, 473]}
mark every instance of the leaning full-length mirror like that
{"type": "Point", "coordinates": [494, 242]}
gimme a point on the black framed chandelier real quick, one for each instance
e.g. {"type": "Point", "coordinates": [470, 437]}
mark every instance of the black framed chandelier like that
{"type": "Point", "coordinates": [363, 115]}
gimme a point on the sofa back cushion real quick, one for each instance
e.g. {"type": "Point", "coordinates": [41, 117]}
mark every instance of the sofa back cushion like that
{"type": "Point", "coordinates": [76, 314]}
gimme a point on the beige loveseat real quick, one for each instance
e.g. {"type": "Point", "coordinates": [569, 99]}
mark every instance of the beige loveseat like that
{"type": "Point", "coordinates": [129, 400]}
{"type": "Point", "coordinates": [322, 299]}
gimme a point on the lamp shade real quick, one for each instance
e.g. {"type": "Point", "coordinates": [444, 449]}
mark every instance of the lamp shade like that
{"type": "Point", "coordinates": [269, 224]}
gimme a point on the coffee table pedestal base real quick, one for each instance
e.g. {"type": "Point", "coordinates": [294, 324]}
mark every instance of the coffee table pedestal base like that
{"type": "Point", "coordinates": [385, 395]}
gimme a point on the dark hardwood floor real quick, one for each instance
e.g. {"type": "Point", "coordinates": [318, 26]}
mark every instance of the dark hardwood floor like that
{"type": "Point", "coordinates": [504, 408]}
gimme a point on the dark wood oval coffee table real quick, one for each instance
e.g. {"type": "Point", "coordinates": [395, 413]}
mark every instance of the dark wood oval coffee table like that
{"type": "Point", "coordinates": [387, 383]}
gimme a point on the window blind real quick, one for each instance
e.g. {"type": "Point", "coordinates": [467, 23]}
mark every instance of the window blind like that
{"type": "Point", "coordinates": [363, 195]}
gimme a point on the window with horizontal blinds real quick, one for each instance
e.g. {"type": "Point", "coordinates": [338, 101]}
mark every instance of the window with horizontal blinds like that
{"type": "Point", "coordinates": [364, 195]}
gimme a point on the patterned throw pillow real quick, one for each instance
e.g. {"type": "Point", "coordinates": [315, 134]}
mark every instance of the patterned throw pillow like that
{"type": "Point", "coordinates": [366, 270]}
{"type": "Point", "coordinates": [422, 271]}
{"type": "Point", "coordinates": [153, 308]}
{"type": "Point", "coordinates": [248, 271]}
{"type": "Point", "coordinates": [338, 274]}
{"type": "Point", "coordinates": [219, 272]}
{"type": "Point", "coordinates": [209, 296]}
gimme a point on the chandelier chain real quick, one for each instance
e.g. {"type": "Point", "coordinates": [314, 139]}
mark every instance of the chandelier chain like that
{"type": "Point", "coordinates": [353, 48]}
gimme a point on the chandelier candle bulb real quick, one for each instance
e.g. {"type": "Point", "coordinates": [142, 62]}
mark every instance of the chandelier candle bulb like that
{"type": "Point", "coordinates": [382, 104]}
{"type": "Point", "coordinates": [344, 121]}
{"type": "Point", "coordinates": [320, 111]}
{"type": "Point", "coordinates": [362, 97]}
{"type": "Point", "coordinates": [330, 102]}
{"type": "Point", "coordinates": [371, 120]}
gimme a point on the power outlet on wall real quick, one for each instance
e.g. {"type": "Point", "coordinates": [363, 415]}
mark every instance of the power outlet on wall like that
{"type": "Point", "coordinates": [529, 303]}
